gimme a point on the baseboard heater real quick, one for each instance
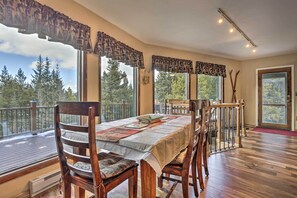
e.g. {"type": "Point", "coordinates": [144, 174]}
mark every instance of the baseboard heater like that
{"type": "Point", "coordinates": [44, 182]}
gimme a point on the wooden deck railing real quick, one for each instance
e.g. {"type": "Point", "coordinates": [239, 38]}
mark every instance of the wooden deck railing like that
{"type": "Point", "coordinates": [35, 119]}
{"type": "Point", "coordinates": [225, 126]}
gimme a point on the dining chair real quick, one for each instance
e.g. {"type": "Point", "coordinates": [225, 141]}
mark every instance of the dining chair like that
{"type": "Point", "coordinates": [191, 156]}
{"type": "Point", "coordinates": [80, 162]}
{"type": "Point", "coordinates": [177, 106]}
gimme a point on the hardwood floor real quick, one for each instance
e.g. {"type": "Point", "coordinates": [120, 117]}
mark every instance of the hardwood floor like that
{"type": "Point", "coordinates": [266, 166]}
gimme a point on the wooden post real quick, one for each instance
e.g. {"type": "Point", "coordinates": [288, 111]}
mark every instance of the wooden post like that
{"type": "Point", "coordinates": [33, 117]}
{"type": "Point", "coordinates": [238, 136]}
{"type": "Point", "coordinates": [243, 130]}
{"type": "Point", "coordinates": [123, 109]}
{"type": "Point", "coordinates": [219, 124]}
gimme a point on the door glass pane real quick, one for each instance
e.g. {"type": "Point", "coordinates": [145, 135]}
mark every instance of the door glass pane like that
{"type": "Point", "coordinates": [169, 86]}
{"type": "Point", "coordinates": [118, 90]}
{"type": "Point", "coordinates": [274, 98]}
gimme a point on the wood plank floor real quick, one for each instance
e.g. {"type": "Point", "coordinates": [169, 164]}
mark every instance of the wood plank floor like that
{"type": "Point", "coordinates": [26, 149]}
{"type": "Point", "coordinates": [265, 167]}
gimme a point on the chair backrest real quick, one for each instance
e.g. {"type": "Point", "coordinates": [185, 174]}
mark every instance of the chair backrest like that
{"type": "Point", "coordinates": [176, 106]}
{"type": "Point", "coordinates": [197, 109]}
{"type": "Point", "coordinates": [83, 151]}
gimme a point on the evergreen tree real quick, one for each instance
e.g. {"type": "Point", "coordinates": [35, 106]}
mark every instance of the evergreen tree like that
{"type": "Point", "coordinates": [37, 80]}
{"type": "Point", "coordinates": [115, 85]}
{"type": "Point", "coordinates": [162, 86]}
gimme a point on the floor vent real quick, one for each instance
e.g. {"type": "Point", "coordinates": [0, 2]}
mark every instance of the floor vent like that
{"type": "Point", "coordinates": [44, 182]}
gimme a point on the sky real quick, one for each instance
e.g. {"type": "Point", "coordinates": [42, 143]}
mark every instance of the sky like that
{"type": "Point", "coordinates": [22, 50]}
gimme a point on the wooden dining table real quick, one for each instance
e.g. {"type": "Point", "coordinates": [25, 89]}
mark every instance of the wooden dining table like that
{"type": "Point", "coordinates": [154, 146]}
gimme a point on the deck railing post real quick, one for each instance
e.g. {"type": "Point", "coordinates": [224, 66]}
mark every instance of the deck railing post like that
{"type": "Point", "coordinates": [243, 130]}
{"type": "Point", "coordinates": [238, 136]}
{"type": "Point", "coordinates": [123, 109]}
{"type": "Point", "coordinates": [33, 108]}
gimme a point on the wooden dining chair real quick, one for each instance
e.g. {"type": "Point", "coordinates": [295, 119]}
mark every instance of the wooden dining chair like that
{"type": "Point", "coordinates": [177, 106]}
{"type": "Point", "coordinates": [180, 166]}
{"type": "Point", "coordinates": [80, 163]}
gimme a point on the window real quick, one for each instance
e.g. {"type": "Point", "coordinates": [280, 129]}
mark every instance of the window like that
{"type": "Point", "coordinates": [118, 90]}
{"type": "Point", "coordinates": [32, 69]}
{"type": "Point", "coordinates": [209, 87]}
{"type": "Point", "coordinates": [169, 86]}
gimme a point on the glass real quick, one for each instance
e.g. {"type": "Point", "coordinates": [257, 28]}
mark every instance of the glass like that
{"type": "Point", "coordinates": [169, 86]}
{"type": "Point", "coordinates": [274, 98]}
{"type": "Point", "coordinates": [209, 87]}
{"type": "Point", "coordinates": [118, 90]}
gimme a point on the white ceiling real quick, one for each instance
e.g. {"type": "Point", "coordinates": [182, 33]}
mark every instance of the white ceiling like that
{"type": "Point", "coordinates": [192, 24]}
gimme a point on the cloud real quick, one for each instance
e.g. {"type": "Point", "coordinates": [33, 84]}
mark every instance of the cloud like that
{"type": "Point", "coordinates": [31, 46]}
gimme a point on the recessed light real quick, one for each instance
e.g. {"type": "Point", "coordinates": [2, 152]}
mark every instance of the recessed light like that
{"type": "Point", "coordinates": [248, 45]}
{"type": "Point", "coordinates": [231, 30]}
{"type": "Point", "coordinates": [220, 20]}
{"type": "Point", "coordinates": [254, 50]}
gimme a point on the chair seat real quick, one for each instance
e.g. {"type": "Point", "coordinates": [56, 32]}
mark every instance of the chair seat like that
{"type": "Point", "coordinates": [178, 160]}
{"type": "Point", "coordinates": [110, 164]}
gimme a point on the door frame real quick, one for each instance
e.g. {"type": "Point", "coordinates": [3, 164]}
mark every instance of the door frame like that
{"type": "Point", "coordinates": [292, 92]}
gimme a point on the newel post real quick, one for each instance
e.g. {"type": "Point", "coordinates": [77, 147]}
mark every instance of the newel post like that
{"type": "Point", "coordinates": [243, 130]}
{"type": "Point", "coordinates": [33, 117]}
{"type": "Point", "coordinates": [238, 136]}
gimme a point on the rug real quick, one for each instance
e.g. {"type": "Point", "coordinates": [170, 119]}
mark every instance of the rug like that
{"type": "Point", "coordinates": [276, 131]}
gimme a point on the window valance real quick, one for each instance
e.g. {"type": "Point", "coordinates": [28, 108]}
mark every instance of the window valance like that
{"type": "Point", "coordinates": [112, 48]}
{"type": "Point", "coordinates": [173, 65]}
{"type": "Point", "coordinates": [32, 17]}
{"type": "Point", "coordinates": [210, 69]}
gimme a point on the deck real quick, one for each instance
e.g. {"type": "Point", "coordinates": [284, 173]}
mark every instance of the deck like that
{"type": "Point", "coordinates": [26, 149]}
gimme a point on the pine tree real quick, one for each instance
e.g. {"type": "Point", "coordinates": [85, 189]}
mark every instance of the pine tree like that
{"type": "Point", "coordinates": [37, 80]}
{"type": "Point", "coordinates": [162, 87]}
{"type": "Point", "coordinates": [115, 85]}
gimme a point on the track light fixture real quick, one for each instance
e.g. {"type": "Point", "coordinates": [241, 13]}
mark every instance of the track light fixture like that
{"type": "Point", "coordinates": [235, 26]}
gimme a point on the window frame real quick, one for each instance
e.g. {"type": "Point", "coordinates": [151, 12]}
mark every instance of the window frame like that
{"type": "Point", "coordinates": [222, 87]}
{"type": "Point", "coordinates": [153, 90]}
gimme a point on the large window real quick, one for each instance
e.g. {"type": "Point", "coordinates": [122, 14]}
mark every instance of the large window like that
{"type": "Point", "coordinates": [33, 69]}
{"type": "Point", "coordinates": [169, 86]}
{"type": "Point", "coordinates": [209, 87]}
{"type": "Point", "coordinates": [118, 90]}
{"type": "Point", "coordinates": [34, 74]}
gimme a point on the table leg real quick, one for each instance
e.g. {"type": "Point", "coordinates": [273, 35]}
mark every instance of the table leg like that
{"type": "Point", "coordinates": [148, 180]}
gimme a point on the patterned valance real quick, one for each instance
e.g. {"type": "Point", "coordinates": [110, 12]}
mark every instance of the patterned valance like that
{"type": "Point", "coordinates": [173, 65]}
{"type": "Point", "coordinates": [112, 48]}
{"type": "Point", "coordinates": [210, 69]}
{"type": "Point", "coordinates": [32, 17]}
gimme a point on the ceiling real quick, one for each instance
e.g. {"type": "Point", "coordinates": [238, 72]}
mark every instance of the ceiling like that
{"type": "Point", "coordinates": [193, 24]}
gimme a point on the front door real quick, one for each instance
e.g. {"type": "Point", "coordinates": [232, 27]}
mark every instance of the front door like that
{"type": "Point", "coordinates": [275, 98]}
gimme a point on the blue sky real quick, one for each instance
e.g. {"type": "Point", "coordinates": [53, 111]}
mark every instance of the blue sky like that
{"type": "Point", "coordinates": [21, 51]}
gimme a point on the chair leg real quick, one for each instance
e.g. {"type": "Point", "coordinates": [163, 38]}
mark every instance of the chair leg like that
{"type": "Point", "coordinates": [100, 192]}
{"type": "Point", "coordinates": [160, 181]}
{"type": "Point", "coordinates": [185, 184]}
{"type": "Point", "coordinates": [205, 159]}
{"type": "Point", "coordinates": [194, 178]}
{"type": "Point", "coordinates": [199, 169]}
{"type": "Point", "coordinates": [132, 182]}
{"type": "Point", "coordinates": [66, 190]}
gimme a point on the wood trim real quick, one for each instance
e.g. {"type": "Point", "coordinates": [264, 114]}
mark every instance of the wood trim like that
{"type": "Point", "coordinates": [85, 77]}
{"type": "Point", "coordinates": [138, 83]}
{"type": "Point", "coordinates": [99, 86]}
{"type": "Point", "coordinates": [28, 169]}
{"type": "Point", "coordinates": [153, 91]}
{"type": "Point", "coordinates": [289, 92]}
{"type": "Point", "coordinates": [189, 87]}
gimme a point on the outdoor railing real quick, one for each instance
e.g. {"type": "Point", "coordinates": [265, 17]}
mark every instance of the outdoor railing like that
{"type": "Point", "coordinates": [35, 119]}
{"type": "Point", "coordinates": [226, 126]}
{"type": "Point", "coordinates": [116, 111]}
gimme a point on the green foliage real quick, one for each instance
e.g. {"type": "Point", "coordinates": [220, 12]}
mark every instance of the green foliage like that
{"type": "Point", "coordinates": [208, 87]}
{"type": "Point", "coordinates": [115, 85]}
{"type": "Point", "coordinates": [170, 86]}
{"type": "Point", "coordinates": [46, 87]}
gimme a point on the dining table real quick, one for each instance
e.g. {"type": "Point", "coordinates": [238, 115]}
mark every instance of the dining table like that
{"type": "Point", "coordinates": [152, 145]}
